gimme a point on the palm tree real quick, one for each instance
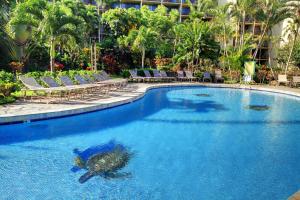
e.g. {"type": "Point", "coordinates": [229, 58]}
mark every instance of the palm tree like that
{"type": "Point", "coordinates": [56, 25]}
{"type": "Point", "coordinates": [140, 40]}
{"type": "Point", "coordinates": [202, 9]}
{"type": "Point", "coordinates": [101, 5]}
{"type": "Point", "coordinates": [223, 29]}
{"type": "Point", "coordinates": [271, 12]}
{"type": "Point", "coordinates": [19, 30]}
{"type": "Point", "coordinates": [292, 29]}
{"type": "Point", "coordinates": [197, 42]}
{"type": "Point", "coordinates": [87, 13]}
{"type": "Point", "coordinates": [240, 10]}
{"type": "Point", "coordinates": [49, 21]}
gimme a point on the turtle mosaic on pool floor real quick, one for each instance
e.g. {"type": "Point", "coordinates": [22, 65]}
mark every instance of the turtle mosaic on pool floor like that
{"type": "Point", "coordinates": [103, 160]}
{"type": "Point", "coordinates": [258, 107]}
{"type": "Point", "coordinates": [203, 95]}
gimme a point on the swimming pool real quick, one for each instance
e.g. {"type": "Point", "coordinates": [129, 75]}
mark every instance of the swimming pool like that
{"type": "Point", "coordinates": [188, 143]}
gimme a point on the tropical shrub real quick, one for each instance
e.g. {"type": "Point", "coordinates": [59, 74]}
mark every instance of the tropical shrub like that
{"type": "Point", "coordinates": [8, 85]}
{"type": "Point", "coordinates": [125, 73]}
{"type": "Point", "coordinates": [196, 43]}
{"type": "Point", "coordinates": [6, 89]}
{"type": "Point", "coordinates": [295, 57]}
{"type": "Point", "coordinates": [110, 63]}
{"type": "Point", "coordinates": [6, 77]}
{"type": "Point", "coordinates": [16, 66]}
{"type": "Point", "coordinates": [163, 63]}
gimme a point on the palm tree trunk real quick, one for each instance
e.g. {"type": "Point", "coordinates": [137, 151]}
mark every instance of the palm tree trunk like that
{"type": "Point", "coordinates": [225, 50]}
{"type": "Point", "coordinates": [52, 52]}
{"type": "Point", "coordinates": [95, 57]}
{"type": "Point", "coordinates": [193, 56]}
{"type": "Point", "coordinates": [174, 49]}
{"type": "Point", "coordinates": [237, 33]}
{"type": "Point", "coordinates": [243, 28]}
{"type": "Point", "coordinates": [91, 51]}
{"type": "Point", "coordinates": [99, 23]}
{"type": "Point", "coordinates": [291, 52]}
{"type": "Point", "coordinates": [260, 40]}
{"type": "Point", "coordinates": [253, 30]}
{"type": "Point", "coordinates": [143, 57]}
{"type": "Point", "coordinates": [270, 48]}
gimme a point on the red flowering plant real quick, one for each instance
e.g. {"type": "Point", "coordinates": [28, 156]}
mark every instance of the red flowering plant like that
{"type": "Point", "coordinates": [58, 66]}
{"type": "Point", "coordinates": [110, 62]}
{"type": "Point", "coordinates": [16, 66]}
{"type": "Point", "coordinates": [264, 73]}
{"type": "Point", "coordinates": [81, 65]}
{"type": "Point", "coordinates": [161, 62]}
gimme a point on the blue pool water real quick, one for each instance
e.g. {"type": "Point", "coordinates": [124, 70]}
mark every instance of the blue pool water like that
{"type": "Point", "coordinates": [185, 147]}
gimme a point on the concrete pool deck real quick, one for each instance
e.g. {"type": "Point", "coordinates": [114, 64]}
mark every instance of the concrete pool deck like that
{"type": "Point", "coordinates": [25, 111]}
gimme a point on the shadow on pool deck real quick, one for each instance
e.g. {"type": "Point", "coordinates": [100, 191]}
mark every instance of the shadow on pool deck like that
{"type": "Point", "coordinates": [155, 101]}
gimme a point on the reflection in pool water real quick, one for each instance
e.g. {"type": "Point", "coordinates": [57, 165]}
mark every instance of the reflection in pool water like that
{"type": "Point", "coordinates": [203, 95]}
{"type": "Point", "coordinates": [258, 107]}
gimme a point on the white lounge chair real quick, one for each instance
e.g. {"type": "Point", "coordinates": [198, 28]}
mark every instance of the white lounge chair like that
{"type": "Point", "coordinates": [218, 76]}
{"type": "Point", "coordinates": [296, 81]}
{"type": "Point", "coordinates": [190, 76]}
{"type": "Point", "coordinates": [282, 78]}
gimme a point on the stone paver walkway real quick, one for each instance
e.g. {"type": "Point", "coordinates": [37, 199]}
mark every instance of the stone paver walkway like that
{"type": "Point", "coordinates": [25, 111]}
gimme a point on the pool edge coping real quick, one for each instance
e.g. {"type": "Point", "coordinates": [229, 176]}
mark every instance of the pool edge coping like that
{"type": "Point", "coordinates": [141, 92]}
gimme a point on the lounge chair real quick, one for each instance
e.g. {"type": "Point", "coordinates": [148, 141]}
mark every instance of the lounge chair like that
{"type": "Point", "coordinates": [100, 80]}
{"type": "Point", "coordinates": [218, 76]}
{"type": "Point", "coordinates": [296, 81]}
{"type": "Point", "coordinates": [90, 85]}
{"type": "Point", "coordinates": [190, 76]}
{"type": "Point", "coordinates": [165, 75]}
{"type": "Point", "coordinates": [81, 80]}
{"type": "Point", "coordinates": [135, 77]}
{"type": "Point", "coordinates": [51, 83]}
{"type": "Point", "coordinates": [118, 82]}
{"type": "Point", "coordinates": [207, 77]}
{"type": "Point", "coordinates": [282, 78]}
{"type": "Point", "coordinates": [103, 86]}
{"type": "Point", "coordinates": [66, 81]}
{"type": "Point", "coordinates": [181, 77]}
{"type": "Point", "coordinates": [86, 81]}
{"type": "Point", "coordinates": [32, 85]}
{"type": "Point", "coordinates": [159, 77]}
{"type": "Point", "coordinates": [149, 77]}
